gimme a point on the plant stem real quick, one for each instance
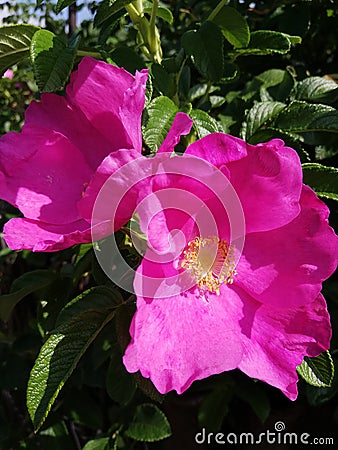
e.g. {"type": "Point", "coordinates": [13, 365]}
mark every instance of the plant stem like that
{"type": "Point", "coordinates": [88, 53]}
{"type": "Point", "coordinates": [133, 13]}
{"type": "Point", "coordinates": [153, 15]}
{"type": "Point", "coordinates": [150, 44]}
{"type": "Point", "coordinates": [214, 13]}
{"type": "Point", "coordinates": [139, 5]}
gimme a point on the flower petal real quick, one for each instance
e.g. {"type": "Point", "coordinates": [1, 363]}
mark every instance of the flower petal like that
{"type": "Point", "coordinates": [26, 234]}
{"type": "Point", "coordinates": [181, 126]}
{"type": "Point", "coordinates": [267, 177]}
{"type": "Point", "coordinates": [275, 340]}
{"type": "Point", "coordinates": [115, 188]}
{"type": "Point", "coordinates": [184, 338]}
{"type": "Point", "coordinates": [286, 267]}
{"type": "Point", "coordinates": [39, 176]}
{"type": "Point", "coordinates": [218, 149]}
{"type": "Point", "coordinates": [57, 113]}
{"type": "Point", "coordinates": [175, 356]}
{"type": "Point", "coordinates": [112, 100]}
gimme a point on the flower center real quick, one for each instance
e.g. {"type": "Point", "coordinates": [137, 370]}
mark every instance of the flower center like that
{"type": "Point", "coordinates": [85, 184]}
{"type": "Point", "coordinates": [210, 262]}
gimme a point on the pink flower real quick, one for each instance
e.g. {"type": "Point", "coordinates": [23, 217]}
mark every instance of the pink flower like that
{"type": "Point", "coordinates": [211, 295]}
{"type": "Point", "coordinates": [8, 74]}
{"type": "Point", "coordinates": [45, 169]}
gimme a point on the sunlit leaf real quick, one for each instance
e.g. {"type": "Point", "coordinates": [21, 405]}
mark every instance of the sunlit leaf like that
{"type": "Point", "coordinates": [161, 113]}
{"type": "Point", "coordinates": [52, 60]}
{"type": "Point", "coordinates": [77, 326]}
{"type": "Point", "coordinates": [15, 42]}
{"type": "Point", "coordinates": [318, 371]}
{"type": "Point", "coordinates": [323, 179]}
{"type": "Point", "coordinates": [233, 26]}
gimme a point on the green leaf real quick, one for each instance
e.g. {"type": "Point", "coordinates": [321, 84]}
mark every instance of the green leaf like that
{"type": "Point", "coordinates": [316, 89]}
{"type": "Point", "coordinates": [255, 396]}
{"type": "Point", "coordinates": [234, 26]}
{"type": "Point", "coordinates": [149, 91]}
{"type": "Point", "coordinates": [97, 444]}
{"type": "Point", "coordinates": [290, 139]}
{"type": "Point", "coordinates": [230, 72]}
{"type": "Point", "coordinates": [62, 4]}
{"type": "Point", "coordinates": [308, 120]}
{"type": "Point", "coordinates": [276, 84]}
{"type": "Point", "coordinates": [161, 113]}
{"type": "Point", "coordinates": [14, 44]}
{"type": "Point", "coordinates": [127, 58]}
{"type": "Point", "coordinates": [120, 384]}
{"type": "Point", "coordinates": [164, 82]}
{"type": "Point", "coordinates": [205, 47]}
{"type": "Point", "coordinates": [108, 8]}
{"type": "Point", "coordinates": [265, 42]}
{"type": "Point", "coordinates": [324, 151]}
{"type": "Point", "coordinates": [214, 408]}
{"type": "Point", "coordinates": [52, 60]}
{"type": "Point", "coordinates": [322, 179]}
{"type": "Point", "coordinates": [56, 433]}
{"type": "Point", "coordinates": [149, 424]}
{"type": "Point", "coordinates": [260, 114]}
{"type": "Point", "coordinates": [77, 326]}
{"type": "Point", "coordinates": [198, 90]}
{"type": "Point", "coordinates": [317, 371]}
{"type": "Point", "coordinates": [23, 286]}
{"type": "Point", "coordinates": [162, 12]}
{"type": "Point", "coordinates": [293, 39]}
{"type": "Point", "coordinates": [204, 124]}
{"type": "Point", "coordinates": [83, 249]}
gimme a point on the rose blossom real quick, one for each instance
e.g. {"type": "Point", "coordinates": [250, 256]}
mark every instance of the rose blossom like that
{"type": "Point", "coordinates": [203, 307]}
{"type": "Point", "coordinates": [45, 169]}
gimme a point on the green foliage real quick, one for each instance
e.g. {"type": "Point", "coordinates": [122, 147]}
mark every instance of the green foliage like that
{"type": "Point", "coordinates": [77, 326]}
{"type": "Point", "coordinates": [23, 286]}
{"type": "Point", "coordinates": [215, 407]}
{"type": "Point", "coordinates": [108, 8]}
{"type": "Point", "coordinates": [97, 444]}
{"type": "Point", "coordinates": [259, 115]}
{"type": "Point", "coordinates": [160, 114]}
{"type": "Point", "coordinates": [14, 44]}
{"type": "Point", "coordinates": [204, 124]}
{"type": "Point", "coordinates": [149, 424]}
{"type": "Point", "coordinates": [205, 46]}
{"type": "Point", "coordinates": [234, 26]}
{"type": "Point", "coordinates": [317, 371]}
{"type": "Point", "coordinates": [121, 386]}
{"type": "Point", "coordinates": [52, 60]}
{"type": "Point", "coordinates": [265, 42]}
{"type": "Point", "coordinates": [62, 4]}
{"type": "Point", "coordinates": [317, 90]}
{"type": "Point", "coordinates": [323, 179]}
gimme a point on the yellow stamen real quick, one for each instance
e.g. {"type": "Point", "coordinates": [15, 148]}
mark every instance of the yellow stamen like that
{"type": "Point", "coordinates": [210, 262]}
{"type": "Point", "coordinates": [85, 184]}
